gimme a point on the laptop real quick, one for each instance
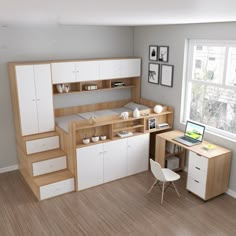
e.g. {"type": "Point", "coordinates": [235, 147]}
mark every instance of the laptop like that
{"type": "Point", "coordinates": [193, 134]}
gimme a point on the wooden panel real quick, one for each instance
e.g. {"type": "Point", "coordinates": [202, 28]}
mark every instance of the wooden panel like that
{"type": "Point", "coordinates": [160, 151]}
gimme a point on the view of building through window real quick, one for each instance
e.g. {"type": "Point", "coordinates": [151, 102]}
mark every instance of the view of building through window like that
{"type": "Point", "coordinates": [211, 86]}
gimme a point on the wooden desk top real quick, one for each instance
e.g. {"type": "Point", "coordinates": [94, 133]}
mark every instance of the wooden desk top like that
{"type": "Point", "coordinates": [169, 136]}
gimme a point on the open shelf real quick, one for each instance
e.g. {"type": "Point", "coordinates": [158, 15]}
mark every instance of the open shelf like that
{"type": "Point", "coordinates": [127, 128]}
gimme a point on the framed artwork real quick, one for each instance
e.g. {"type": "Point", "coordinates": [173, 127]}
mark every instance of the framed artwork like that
{"type": "Point", "coordinates": [167, 72]}
{"type": "Point", "coordinates": [153, 73]}
{"type": "Point", "coordinates": [152, 123]}
{"type": "Point", "coordinates": [153, 53]}
{"type": "Point", "coordinates": [163, 53]}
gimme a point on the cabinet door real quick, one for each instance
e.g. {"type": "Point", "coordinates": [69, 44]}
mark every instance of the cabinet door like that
{"type": "Point", "coordinates": [63, 72]}
{"type": "Point", "coordinates": [87, 71]}
{"type": "Point", "coordinates": [43, 85]}
{"type": "Point", "coordinates": [115, 160]}
{"type": "Point", "coordinates": [90, 166]}
{"type": "Point", "coordinates": [27, 99]}
{"type": "Point", "coordinates": [130, 67]}
{"type": "Point", "coordinates": [109, 69]}
{"type": "Point", "coordinates": [138, 153]}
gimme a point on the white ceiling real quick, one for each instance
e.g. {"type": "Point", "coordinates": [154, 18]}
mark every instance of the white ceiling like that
{"type": "Point", "coordinates": [115, 12]}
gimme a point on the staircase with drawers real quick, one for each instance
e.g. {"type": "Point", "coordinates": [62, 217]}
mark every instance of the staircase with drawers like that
{"type": "Point", "coordinates": [44, 165]}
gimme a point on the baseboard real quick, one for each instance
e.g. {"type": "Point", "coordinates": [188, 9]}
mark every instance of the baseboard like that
{"type": "Point", "coordinates": [9, 168]}
{"type": "Point", "coordinates": [231, 193]}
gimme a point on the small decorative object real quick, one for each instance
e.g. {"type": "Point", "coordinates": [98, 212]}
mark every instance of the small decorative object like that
{"type": "Point", "coordinates": [90, 87]}
{"type": "Point", "coordinates": [123, 134]}
{"type": "Point", "coordinates": [136, 113]}
{"type": "Point", "coordinates": [153, 73]}
{"type": "Point", "coordinates": [124, 115]}
{"type": "Point", "coordinates": [92, 120]}
{"type": "Point", "coordinates": [103, 137]}
{"type": "Point", "coordinates": [86, 141]}
{"type": "Point", "coordinates": [158, 109]}
{"type": "Point", "coordinates": [167, 72]}
{"type": "Point", "coordinates": [153, 53]}
{"type": "Point", "coordinates": [60, 88]}
{"type": "Point", "coordinates": [163, 53]}
{"type": "Point", "coordinates": [95, 139]}
{"type": "Point", "coordinates": [66, 88]}
{"type": "Point", "coordinates": [152, 123]}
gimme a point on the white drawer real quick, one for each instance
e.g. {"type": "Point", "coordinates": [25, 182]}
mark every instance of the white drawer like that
{"type": "Point", "coordinates": [43, 144]}
{"type": "Point", "coordinates": [47, 166]}
{"type": "Point", "coordinates": [58, 188]}
{"type": "Point", "coordinates": [196, 187]}
{"type": "Point", "coordinates": [198, 161]}
{"type": "Point", "coordinates": [199, 175]}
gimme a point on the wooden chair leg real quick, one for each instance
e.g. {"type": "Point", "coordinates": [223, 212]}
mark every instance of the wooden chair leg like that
{"type": "Point", "coordinates": [175, 189]}
{"type": "Point", "coordinates": [152, 186]}
{"type": "Point", "coordinates": [162, 192]}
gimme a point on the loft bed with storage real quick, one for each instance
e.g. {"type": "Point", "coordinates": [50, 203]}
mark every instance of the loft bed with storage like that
{"type": "Point", "coordinates": [54, 154]}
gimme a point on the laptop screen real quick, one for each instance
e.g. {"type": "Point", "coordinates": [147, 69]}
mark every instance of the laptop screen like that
{"type": "Point", "coordinates": [194, 131]}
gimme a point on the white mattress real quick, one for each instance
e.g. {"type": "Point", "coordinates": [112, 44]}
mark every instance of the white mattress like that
{"type": "Point", "coordinates": [133, 105]}
{"type": "Point", "coordinates": [121, 109]}
{"type": "Point", "coordinates": [97, 114]}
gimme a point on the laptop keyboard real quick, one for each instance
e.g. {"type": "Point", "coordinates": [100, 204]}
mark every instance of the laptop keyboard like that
{"type": "Point", "coordinates": [189, 139]}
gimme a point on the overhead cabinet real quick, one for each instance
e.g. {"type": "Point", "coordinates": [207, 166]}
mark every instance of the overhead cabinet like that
{"type": "Point", "coordinates": [35, 100]}
{"type": "Point", "coordinates": [71, 72]}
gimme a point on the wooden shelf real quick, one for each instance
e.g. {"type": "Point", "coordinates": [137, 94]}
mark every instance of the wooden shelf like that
{"type": "Point", "coordinates": [127, 128]}
{"type": "Point", "coordinates": [158, 129]}
{"type": "Point", "coordinates": [173, 154]}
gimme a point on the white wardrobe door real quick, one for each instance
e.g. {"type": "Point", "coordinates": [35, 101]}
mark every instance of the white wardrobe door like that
{"type": "Point", "coordinates": [90, 166]}
{"type": "Point", "coordinates": [44, 98]}
{"type": "Point", "coordinates": [27, 99]}
{"type": "Point", "coordinates": [109, 69]}
{"type": "Point", "coordinates": [115, 160]}
{"type": "Point", "coordinates": [138, 153]}
{"type": "Point", "coordinates": [63, 72]}
{"type": "Point", "coordinates": [87, 70]}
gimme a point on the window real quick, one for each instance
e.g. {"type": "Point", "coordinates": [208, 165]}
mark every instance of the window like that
{"type": "Point", "coordinates": [210, 88]}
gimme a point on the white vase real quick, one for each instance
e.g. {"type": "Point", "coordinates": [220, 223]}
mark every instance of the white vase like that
{"type": "Point", "coordinates": [60, 88]}
{"type": "Point", "coordinates": [158, 109]}
{"type": "Point", "coordinates": [136, 113]}
{"type": "Point", "coordinates": [66, 88]}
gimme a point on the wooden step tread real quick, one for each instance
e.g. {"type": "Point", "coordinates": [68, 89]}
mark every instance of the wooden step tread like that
{"type": "Point", "coordinates": [42, 156]}
{"type": "Point", "coordinates": [52, 177]}
{"type": "Point", "coordinates": [39, 136]}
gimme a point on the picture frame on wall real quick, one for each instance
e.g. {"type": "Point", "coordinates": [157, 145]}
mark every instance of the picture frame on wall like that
{"type": "Point", "coordinates": [163, 53]}
{"type": "Point", "coordinates": [153, 73]}
{"type": "Point", "coordinates": [152, 123]}
{"type": "Point", "coordinates": [167, 72]}
{"type": "Point", "coordinates": [153, 53]}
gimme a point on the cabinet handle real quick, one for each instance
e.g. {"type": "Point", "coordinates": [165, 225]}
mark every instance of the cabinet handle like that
{"type": "Point", "coordinates": [196, 181]}
{"type": "Point", "coordinates": [197, 168]}
{"type": "Point", "coordinates": [33, 100]}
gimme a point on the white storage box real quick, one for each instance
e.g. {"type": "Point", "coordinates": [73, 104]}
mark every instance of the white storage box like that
{"type": "Point", "coordinates": [172, 162]}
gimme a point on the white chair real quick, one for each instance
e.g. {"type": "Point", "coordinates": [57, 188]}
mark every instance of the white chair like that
{"type": "Point", "coordinates": [165, 176]}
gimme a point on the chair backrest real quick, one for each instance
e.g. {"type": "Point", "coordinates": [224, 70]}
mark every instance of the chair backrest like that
{"type": "Point", "coordinates": [157, 170]}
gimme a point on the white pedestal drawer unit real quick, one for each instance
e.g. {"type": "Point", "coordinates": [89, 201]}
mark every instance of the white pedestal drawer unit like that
{"type": "Point", "coordinates": [34, 89]}
{"type": "Point", "coordinates": [104, 162]}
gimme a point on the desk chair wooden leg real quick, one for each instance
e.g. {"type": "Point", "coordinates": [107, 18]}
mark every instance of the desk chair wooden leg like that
{"type": "Point", "coordinates": [152, 186]}
{"type": "Point", "coordinates": [175, 189]}
{"type": "Point", "coordinates": [162, 192]}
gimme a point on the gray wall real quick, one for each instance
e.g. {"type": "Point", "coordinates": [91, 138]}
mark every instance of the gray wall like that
{"type": "Point", "coordinates": [52, 43]}
{"type": "Point", "coordinates": [174, 36]}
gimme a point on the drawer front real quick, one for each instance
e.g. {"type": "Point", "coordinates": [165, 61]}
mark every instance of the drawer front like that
{"type": "Point", "coordinates": [197, 161]}
{"type": "Point", "coordinates": [44, 144]}
{"type": "Point", "coordinates": [199, 175]}
{"type": "Point", "coordinates": [47, 166]}
{"type": "Point", "coordinates": [196, 187]}
{"type": "Point", "coordinates": [58, 188]}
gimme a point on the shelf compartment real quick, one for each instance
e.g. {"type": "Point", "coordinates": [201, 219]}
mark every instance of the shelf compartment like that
{"type": "Point", "coordinates": [127, 128]}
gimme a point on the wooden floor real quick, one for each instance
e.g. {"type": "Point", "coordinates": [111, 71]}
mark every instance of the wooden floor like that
{"type": "Point", "coordinates": [121, 207]}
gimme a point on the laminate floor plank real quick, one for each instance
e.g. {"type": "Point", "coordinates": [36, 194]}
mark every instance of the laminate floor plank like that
{"type": "Point", "coordinates": [121, 207]}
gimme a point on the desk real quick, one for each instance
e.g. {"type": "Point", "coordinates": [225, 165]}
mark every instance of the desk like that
{"type": "Point", "coordinates": [208, 171]}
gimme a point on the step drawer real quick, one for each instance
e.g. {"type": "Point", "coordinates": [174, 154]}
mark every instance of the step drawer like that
{"type": "Point", "coordinates": [47, 166]}
{"type": "Point", "coordinates": [198, 161]}
{"type": "Point", "coordinates": [58, 188]}
{"type": "Point", "coordinates": [43, 144]}
{"type": "Point", "coordinates": [199, 175]}
{"type": "Point", "coordinates": [196, 187]}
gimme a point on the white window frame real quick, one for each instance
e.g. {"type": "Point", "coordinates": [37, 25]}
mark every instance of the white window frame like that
{"type": "Point", "coordinates": [187, 81]}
